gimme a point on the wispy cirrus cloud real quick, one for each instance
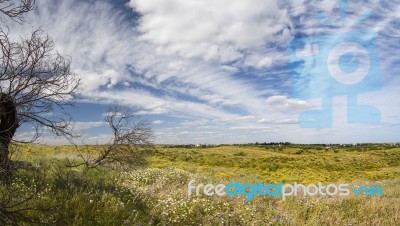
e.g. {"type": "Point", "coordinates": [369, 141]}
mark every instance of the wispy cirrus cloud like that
{"type": "Point", "coordinates": [218, 67]}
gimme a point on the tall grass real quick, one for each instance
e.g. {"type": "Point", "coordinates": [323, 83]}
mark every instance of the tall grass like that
{"type": "Point", "coordinates": [157, 195]}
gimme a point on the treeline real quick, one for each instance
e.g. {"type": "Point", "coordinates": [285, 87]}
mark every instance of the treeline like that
{"type": "Point", "coordinates": [391, 145]}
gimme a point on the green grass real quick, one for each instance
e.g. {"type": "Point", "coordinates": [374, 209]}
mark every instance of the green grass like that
{"type": "Point", "coordinates": [301, 164]}
{"type": "Point", "coordinates": [157, 194]}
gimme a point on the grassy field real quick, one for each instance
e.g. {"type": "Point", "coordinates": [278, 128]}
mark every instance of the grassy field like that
{"type": "Point", "coordinates": [157, 194]}
{"type": "Point", "coordinates": [304, 164]}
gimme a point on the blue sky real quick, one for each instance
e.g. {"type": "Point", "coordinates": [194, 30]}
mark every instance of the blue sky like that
{"type": "Point", "coordinates": [214, 71]}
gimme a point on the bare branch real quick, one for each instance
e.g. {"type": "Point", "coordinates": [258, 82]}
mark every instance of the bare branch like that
{"type": "Point", "coordinates": [131, 140]}
{"type": "Point", "coordinates": [15, 11]}
{"type": "Point", "coordinates": [35, 81]}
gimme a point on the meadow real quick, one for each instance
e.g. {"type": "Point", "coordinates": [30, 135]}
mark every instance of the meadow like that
{"type": "Point", "coordinates": [156, 194]}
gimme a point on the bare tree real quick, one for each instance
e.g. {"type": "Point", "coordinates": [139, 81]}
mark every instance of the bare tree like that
{"type": "Point", "coordinates": [131, 139]}
{"type": "Point", "coordinates": [34, 80]}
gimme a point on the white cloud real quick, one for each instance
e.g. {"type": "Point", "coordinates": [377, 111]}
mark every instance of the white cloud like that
{"type": "Point", "coordinates": [158, 122]}
{"type": "Point", "coordinates": [209, 29]}
{"type": "Point", "coordinates": [195, 123]}
{"type": "Point", "coordinates": [93, 80]}
{"type": "Point", "coordinates": [278, 103]}
{"type": "Point", "coordinates": [96, 36]}
{"type": "Point", "coordinates": [109, 51]}
{"type": "Point", "coordinates": [258, 61]}
{"type": "Point", "coordinates": [88, 125]}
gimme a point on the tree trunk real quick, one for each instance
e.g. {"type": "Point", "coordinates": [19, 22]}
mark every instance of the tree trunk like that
{"type": "Point", "coordinates": [8, 126]}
